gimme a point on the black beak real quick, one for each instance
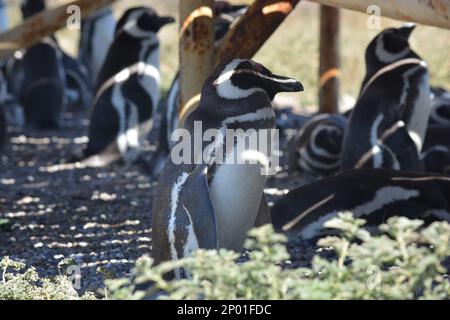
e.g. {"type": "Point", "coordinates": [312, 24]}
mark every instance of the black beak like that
{"type": "Point", "coordinates": [407, 29]}
{"type": "Point", "coordinates": [285, 84]}
{"type": "Point", "coordinates": [162, 21]}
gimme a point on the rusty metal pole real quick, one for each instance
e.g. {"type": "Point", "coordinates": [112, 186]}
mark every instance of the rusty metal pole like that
{"type": "Point", "coordinates": [329, 60]}
{"type": "Point", "coordinates": [44, 24]}
{"type": "Point", "coordinates": [196, 51]}
{"type": "Point", "coordinates": [251, 31]}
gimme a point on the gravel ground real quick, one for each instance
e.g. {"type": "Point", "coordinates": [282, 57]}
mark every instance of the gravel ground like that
{"type": "Point", "coordinates": [100, 217]}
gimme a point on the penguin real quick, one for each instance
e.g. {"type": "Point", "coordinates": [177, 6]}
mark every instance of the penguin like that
{"type": "Point", "coordinates": [317, 146]}
{"type": "Point", "coordinates": [39, 80]}
{"type": "Point", "coordinates": [210, 201]}
{"type": "Point", "coordinates": [127, 90]}
{"type": "Point", "coordinates": [440, 106]}
{"type": "Point", "coordinates": [226, 14]}
{"type": "Point", "coordinates": [370, 194]}
{"type": "Point", "coordinates": [436, 149]}
{"type": "Point", "coordinates": [387, 127]}
{"type": "Point", "coordinates": [97, 35]}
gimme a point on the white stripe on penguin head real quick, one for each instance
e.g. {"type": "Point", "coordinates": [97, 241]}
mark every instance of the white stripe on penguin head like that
{"type": "Point", "coordinates": [227, 90]}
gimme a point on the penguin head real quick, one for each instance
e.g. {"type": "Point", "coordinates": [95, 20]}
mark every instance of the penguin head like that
{"type": "Point", "coordinates": [140, 22]}
{"type": "Point", "coordinates": [390, 46]}
{"type": "Point", "coordinates": [242, 78]}
{"type": "Point", "coordinates": [31, 7]}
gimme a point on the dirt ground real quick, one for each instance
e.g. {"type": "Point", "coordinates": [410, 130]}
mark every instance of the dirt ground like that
{"type": "Point", "coordinates": [99, 217]}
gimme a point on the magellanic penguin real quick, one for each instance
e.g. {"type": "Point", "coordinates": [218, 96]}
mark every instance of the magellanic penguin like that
{"type": "Point", "coordinates": [210, 201]}
{"type": "Point", "coordinates": [387, 127]}
{"type": "Point", "coordinates": [436, 149]}
{"type": "Point", "coordinates": [317, 145]}
{"type": "Point", "coordinates": [226, 14]}
{"type": "Point", "coordinates": [97, 35]}
{"type": "Point", "coordinates": [370, 194]}
{"type": "Point", "coordinates": [127, 90]}
{"type": "Point", "coordinates": [39, 80]}
{"type": "Point", "coordinates": [440, 107]}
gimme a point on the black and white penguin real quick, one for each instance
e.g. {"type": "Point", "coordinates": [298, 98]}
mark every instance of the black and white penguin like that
{"type": "Point", "coordinates": [210, 201]}
{"type": "Point", "coordinates": [97, 35]}
{"type": "Point", "coordinates": [387, 127]}
{"type": "Point", "coordinates": [226, 14]}
{"type": "Point", "coordinates": [39, 80]}
{"type": "Point", "coordinates": [436, 149]}
{"type": "Point", "coordinates": [370, 194]}
{"type": "Point", "coordinates": [317, 146]}
{"type": "Point", "coordinates": [127, 90]}
{"type": "Point", "coordinates": [440, 106]}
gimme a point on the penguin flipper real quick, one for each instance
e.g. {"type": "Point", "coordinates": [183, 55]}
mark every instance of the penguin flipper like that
{"type": "Point", "coordinates": [263, 217]}
{"type": "Point", "coordinates": [197, 202]}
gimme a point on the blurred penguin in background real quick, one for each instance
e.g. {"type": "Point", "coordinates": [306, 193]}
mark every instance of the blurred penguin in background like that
{"type": "Point", "coordinates": [38, 78]}
{"type": "Point", "coordinates": [127, 90]}
{"type": "Point", "coordinates": [97, 35]}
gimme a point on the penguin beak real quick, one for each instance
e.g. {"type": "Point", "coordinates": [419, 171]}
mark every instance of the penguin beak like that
{"type": "Point", "coordinates": [162, 21]}
{"type": "Point", "coordinates": [284, 84]}
{"type": "Point", "coordinates": [407, 29]}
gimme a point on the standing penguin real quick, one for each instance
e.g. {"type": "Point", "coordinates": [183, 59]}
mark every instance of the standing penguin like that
{"type": "Point", "coordinates": [211, 199]}
{"type": "Point", "coordinates": [317, 146]}
{"type": "Point", "coordinates": [97, 35]}
{"type": "Point", "coordinates": [39, 80]}
{"type": "Point", "coordinates": [127, 90]}
{"type": "Point", "coordinates": [387, 126]}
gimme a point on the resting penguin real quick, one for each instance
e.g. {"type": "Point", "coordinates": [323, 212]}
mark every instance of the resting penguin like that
{"type": "Point", "coordinates": [127, 90]}
{"type": "Point", "coordinates": [440, 107]}
{"type": "Point", "coordinates": [97, 35]}
{"type": "Point", "coordinates": [387, 127]}
{"type": "Point", "coordinates": [40, 80]}
{"type": "Point", "coordinates": [370, 194]}
{"type": "Point", "coordinates": [436, 149]}
{"type": "Point", "coordinates": [208, 200]}
{"type": "Point", "coordinates": [316, 147]}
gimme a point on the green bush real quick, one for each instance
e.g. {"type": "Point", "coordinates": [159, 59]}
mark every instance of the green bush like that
{"type": "Point", "coordinates": [403, 262]}
{"type": "Point", "coordinates": [400, 263]}
{"type": "Point", "coordinates": [25, 284]}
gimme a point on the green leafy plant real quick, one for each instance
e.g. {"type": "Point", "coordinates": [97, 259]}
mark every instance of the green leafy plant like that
{"type": "Point", "coordinates": [25, 284]}
{"type": "Point", "coordinates": [400, 263]}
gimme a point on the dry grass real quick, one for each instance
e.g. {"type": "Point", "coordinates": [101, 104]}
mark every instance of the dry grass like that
{"type": "Point", "coordinates": [293, 49]}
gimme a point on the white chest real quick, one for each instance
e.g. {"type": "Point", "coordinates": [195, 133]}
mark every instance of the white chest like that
{"type": "Point", "coordinates": [236, 193]}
